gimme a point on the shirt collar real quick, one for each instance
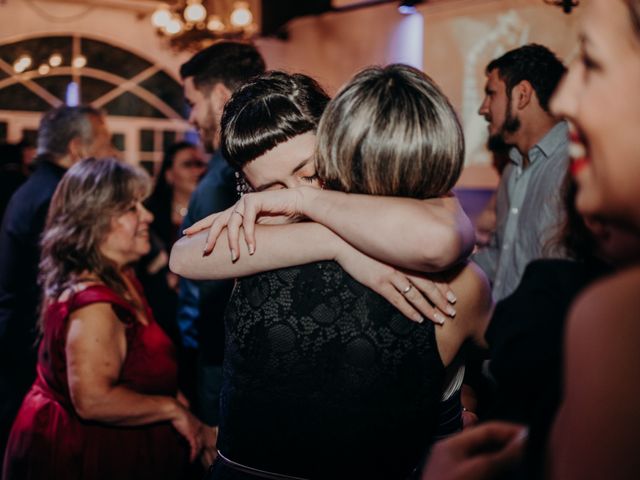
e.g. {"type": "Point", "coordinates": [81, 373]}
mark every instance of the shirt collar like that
{"type": "Point", "coordinates": [547, 145]}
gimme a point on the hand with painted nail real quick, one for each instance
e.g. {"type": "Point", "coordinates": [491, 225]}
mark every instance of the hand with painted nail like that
{"type": "Point", "coordinates": [268, 207]}
{"type": "Point", "coordinates": [414, 295]}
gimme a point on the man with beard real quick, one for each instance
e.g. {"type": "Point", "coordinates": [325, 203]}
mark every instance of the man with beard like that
{"type": "Point", "coordinates": [516, 105]}
{"type": "Point", "coordinates": [210, 77]}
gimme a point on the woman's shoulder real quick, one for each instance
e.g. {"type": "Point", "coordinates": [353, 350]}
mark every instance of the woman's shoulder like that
{"type": "Point", "coordinates": [93, 294]}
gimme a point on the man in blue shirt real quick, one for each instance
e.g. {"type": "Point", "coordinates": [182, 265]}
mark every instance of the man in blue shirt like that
{"type": "Point", "coordinates": [210, 77]}
{"type": "Point", "coordinates": [516, 107]}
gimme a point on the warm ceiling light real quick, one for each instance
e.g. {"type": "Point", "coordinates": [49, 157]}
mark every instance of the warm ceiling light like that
{"type": "Point", "coordinates": [79, 61]}
{"type": "Point", "coordinates": [173, 27]}
{"type": "Point", "coordinates": [22, 63]}
{"type": "Point", "coordinates": [241, 15]}
{"type": "Point", "coordinates": [195, 12]}
{"type": "Point", "coordinates": [161, 17]}
{"type": "Point", "coordinates": [55, 60]}
{"type": "Point", "coordinates": [44, 69]}
{"type": "Point", "coordinates": [215, 24]}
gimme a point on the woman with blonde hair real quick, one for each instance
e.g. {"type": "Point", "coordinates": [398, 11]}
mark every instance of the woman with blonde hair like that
{"type": "Point", "coordinates": [105, 402]}
{"type": "Point", "coordinates": [323, 377]}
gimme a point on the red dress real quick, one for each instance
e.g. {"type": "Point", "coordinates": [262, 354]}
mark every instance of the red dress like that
{"type": "Point", "coordinates": [49, 440]}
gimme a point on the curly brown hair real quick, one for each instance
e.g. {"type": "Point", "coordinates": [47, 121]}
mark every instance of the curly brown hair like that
{"type": "Point", "coordinates": [88, 197]}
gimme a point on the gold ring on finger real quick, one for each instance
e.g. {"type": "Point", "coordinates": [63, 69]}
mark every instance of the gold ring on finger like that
{"type": "Point", "coordinates": [407, 290]}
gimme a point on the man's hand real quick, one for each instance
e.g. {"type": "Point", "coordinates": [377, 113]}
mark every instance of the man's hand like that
{"type": "Point", "coordinates": [477, 453]}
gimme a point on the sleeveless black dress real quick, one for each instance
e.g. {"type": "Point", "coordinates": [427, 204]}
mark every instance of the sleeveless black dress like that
{"type": "Point", "coordinates": [323, 378]}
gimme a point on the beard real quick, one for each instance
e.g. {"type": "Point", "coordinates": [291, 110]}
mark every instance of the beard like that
{"type": "Point", "coordinates": [511, 124]}
{"type": "Point", "coordinates": [209, 131]}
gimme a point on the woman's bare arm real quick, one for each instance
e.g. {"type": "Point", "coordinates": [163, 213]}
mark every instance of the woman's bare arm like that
{"type": "Point", "coordinates": [301, 243]}
{"type": "Point", "coordinates": [597, 430]}
{"type": "Point", "coordinates": [421, 235]}
{"type": "Point", "coordinates": [95, 351]}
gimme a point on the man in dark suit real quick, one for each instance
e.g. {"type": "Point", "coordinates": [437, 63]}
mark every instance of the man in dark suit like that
{"type": "Point", "coordinates": [210, 77]}
{"type": "Point", "coordinates": [65, 136]}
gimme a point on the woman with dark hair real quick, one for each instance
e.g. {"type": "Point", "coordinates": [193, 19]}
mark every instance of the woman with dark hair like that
{"type": "Point", "coordinates": [323, 377]}
{"type": "Point", "coordinates": [105, 401]}
{"type": "Point", "coordinates": [182, 167]}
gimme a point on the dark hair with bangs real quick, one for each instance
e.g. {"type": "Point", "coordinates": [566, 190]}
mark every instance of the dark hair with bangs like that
{"type": "Point", "coordinates": [534, 63]}
{"type": "Point", "coordinates": [267, 111]}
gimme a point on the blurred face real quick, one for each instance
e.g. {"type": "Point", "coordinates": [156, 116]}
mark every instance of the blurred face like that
{"type": "Point", "coordinates": [288, 165]}
{"type": "Point", "coordinates": [101, 142]}
{"type": "Point", "coordinates": [496, 109]}
{"type": "Point", "coordinates": [128, 238]}
{"type": "Point", "coordinates": [206, 113]}
{"type": "Point", "coordinates": [189, 165]}
{"type": "Point", "coordinates": [599, 96]}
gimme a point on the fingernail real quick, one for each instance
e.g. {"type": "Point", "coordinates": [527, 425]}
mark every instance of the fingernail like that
{"type": "Point", "coordinates": [418, 318]}
{"type": "Point", "coordinates": [252, 249]}
{"type": "Point", "coordinates": [451, 311]}
{"type": "Point", "coordinates": [439, 318]}
{"type": "Point", "coordinates": [234, 256]}
{"type": "Point", "coordinates": [451, 297]}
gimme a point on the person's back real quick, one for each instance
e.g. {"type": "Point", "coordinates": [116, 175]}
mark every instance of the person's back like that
{"type": "Point", "coordinates": [315, 362]}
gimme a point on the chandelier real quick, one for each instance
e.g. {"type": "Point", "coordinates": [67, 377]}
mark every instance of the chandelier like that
{"type": "Point", "coordinates": [195, 24]}
{"type": "Point", "coordinates": [567, 5]}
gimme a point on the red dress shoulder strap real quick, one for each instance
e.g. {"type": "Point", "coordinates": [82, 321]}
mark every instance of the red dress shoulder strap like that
{"type": "Point", "coordinates": [99, 293]}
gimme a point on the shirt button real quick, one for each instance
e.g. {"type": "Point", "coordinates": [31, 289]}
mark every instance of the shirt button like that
{"type": "Point", "coordinates": [514, 210]}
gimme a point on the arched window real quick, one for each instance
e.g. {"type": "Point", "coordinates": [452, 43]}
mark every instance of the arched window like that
{"type": "Point", "coordinates": [143, 101]}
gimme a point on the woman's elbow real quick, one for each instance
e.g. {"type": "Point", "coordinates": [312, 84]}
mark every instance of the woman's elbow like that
{"type": "Point", "coordinates": [86, 406]}
{"type": "Point", "coordinates": [177, 262]}
{"type": "Point", "coordinates": [449, 247]}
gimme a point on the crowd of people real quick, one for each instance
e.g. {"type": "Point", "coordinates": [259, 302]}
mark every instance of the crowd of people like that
{"type": "Point", "coordinates": [326, 314]}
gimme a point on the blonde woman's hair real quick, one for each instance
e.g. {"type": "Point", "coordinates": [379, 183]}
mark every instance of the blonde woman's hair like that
{"type": "Point", "coordinates": [390, 131]}
{"type": "Point", "coordinates": [88, 197]}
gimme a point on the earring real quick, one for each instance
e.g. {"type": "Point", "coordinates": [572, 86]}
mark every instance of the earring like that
{"type": "Point", "coordinates": [242, 186]}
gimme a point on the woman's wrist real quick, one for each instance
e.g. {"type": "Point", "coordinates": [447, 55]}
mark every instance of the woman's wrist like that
{"type": "Point", "coordinates": [173, 408]}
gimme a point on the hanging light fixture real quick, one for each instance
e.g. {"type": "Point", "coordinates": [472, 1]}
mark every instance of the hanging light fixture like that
{"type": "Point", "coordinates": [194, 24]}
{"type": "Point", "coordinates": [567, 5]}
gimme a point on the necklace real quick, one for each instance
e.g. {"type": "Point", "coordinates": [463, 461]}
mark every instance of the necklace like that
{"type": "Point", "coordinates": [181, 210]}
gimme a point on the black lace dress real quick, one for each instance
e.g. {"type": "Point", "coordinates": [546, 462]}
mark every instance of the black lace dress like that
{"type": "Point", "coordinates": [323, 378]}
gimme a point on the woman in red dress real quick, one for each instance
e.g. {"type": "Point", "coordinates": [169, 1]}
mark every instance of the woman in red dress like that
{"type": "Point", "coordinates": [105, 402]}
